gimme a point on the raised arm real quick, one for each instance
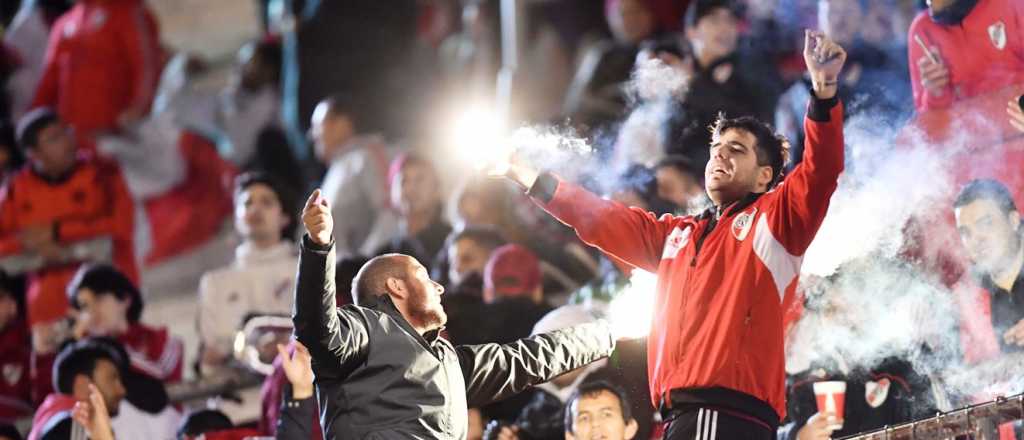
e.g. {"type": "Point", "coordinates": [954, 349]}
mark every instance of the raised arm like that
{"type": "Point", "coordinates": [632, 235]}
{"type": "Point", "coordinates": [334, 337]}
{"type": "Point", "coordinates": [495, 371]}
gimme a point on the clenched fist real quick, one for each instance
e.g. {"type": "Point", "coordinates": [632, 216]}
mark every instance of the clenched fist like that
{"type": "Point", "coordinates": [317, 218]}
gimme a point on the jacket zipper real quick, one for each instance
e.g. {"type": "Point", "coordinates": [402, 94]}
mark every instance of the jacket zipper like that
{"type": "Point", "coordinates": [703, 236]}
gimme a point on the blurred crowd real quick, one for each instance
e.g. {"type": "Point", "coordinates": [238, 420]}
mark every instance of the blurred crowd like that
{"type": "Point", "coordinates": [116, 157]}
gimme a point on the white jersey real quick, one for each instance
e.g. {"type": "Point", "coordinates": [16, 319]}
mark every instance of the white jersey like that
{"type": "Point", "coordinates": [258, 282]}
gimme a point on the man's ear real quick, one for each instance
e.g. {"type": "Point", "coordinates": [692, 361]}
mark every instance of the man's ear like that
{"type": "Point", "coordinates": [631, 429]}
{"type": "Point", "coordinates": [396, 287]}
{"type": "Point", "coordinates": [765, 174]}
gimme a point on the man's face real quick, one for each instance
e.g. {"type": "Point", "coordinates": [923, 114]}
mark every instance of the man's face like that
{"type": "Point", "coordinates": [105, 314]}
{"type": "Point", "coordinates": [258, 214]}
{"type": "Point", "coordinates": [424, 301]}
{"type": "Point", "coordinates": [466, 257]}
{"type": "Point", "coordinates": [732, 171]}
{"type": "Point", "coordinates": [840, 19]}
{"type": "Point", "coordinates": [415, 189]}
{"type": "Point", "coordinates": [599, 416]}
{"type": "Point", "coordinates": [329, 132]}
{"type": "Point", "coordinates": [676, 186]}
{"type": "Point", "coordinates": [107, 379]}
{"type": "Point", "coordinates": [54, 152]}
{"type": "Point", "coordinates": [715, 34]}
{"type": "Point", "coordinates": [988, 234]}
{"type": "Point", "coordinates": [631, 21]}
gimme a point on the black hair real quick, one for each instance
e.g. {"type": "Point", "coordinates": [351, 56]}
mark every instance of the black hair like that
{"type": "Point", "coordinates": [684, 165]}
{"type": "Point", "coordinates": [270, 56]}
{"type": "Point", "coordinates": [32, 123]}
{"type": "Point", "coordinates": [986, 189]}
{"type": "Point", "coordinates": [9, 431]}
{"type": "Point", "coordinates": [103, 279]}
{"type": "Point", "coordinates": [202, 421]}
{"type": "Point", "coordinates": [285, 196]}
{"type": "Point", "coordinates": [485, 236]}
{"type": "Point", "coordinates": [589, 389]}
{"type": "Point", "coordinates": [79, 358]}
{"type": "Point", "coordinates": [699, 9]}
{"type": "Point", "coordinates": [770, 146]}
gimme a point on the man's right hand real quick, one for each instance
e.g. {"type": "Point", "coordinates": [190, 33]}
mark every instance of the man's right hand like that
{"type": "Point", "coordinates": [316, 216]}
{"type": "Point", "coordinates": [817, 427]}
{"type": "Point", "coordinates": [934, 76]}
{"type": "Point", "coordinates": [514, 170]}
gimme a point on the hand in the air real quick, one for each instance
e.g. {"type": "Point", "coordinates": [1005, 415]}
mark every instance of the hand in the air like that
{"type": "Point", "coordinates": [298, 369]}
{"type": "Point", "coordinates": [93, 416]}
{"type": "Point", "coordinates": [316, 216]}
{"type": "Point", "coordinates": [824, 59]}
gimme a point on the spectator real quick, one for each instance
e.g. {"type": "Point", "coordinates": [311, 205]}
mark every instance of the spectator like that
{"type": "Point", "coordinates": [720, 80]}
{"type": "Point", "coordinates": [356, 183]}
{"type": "Point", "coordinates": [261, 280]}
{"type": "Point", "coordinates": [109, 304]}
{"type": "Point", "coordinates": [59, 210]}
{"type": "Point", "coordinates": [992, 321]}
{"type": "Point", "coordinates": [975, 48]}
{"type": "Point", "coordinates": [513, 289]}
{"type": "Point", "coordinates": [15, 387]}
{"type": "Point", "coordinates": [415, 195]}
{"type": "Point", "coordinates": [595, 96]}
{"type": "Point", "coordinates": [467, 253]}
{"type": "Point", "coordinates": [873, 83]}
{"type": "Point", "coordinates": [27, 37]}
{"type": "Point", "coordinates": [95, 41]}
{"type": "Point", "coordinates": [680, 181]}
{"type": "Point", "coordinates": [599, 409]}
{"type": "Point", "coordinates": [81, 368]}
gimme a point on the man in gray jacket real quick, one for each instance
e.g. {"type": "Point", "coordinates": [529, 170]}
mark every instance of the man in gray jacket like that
{"type": "Point", "coordinates": [382, 370]}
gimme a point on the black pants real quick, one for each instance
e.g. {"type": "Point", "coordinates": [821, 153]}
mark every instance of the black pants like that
{"type": "Point", "coordinates": [714, 424]}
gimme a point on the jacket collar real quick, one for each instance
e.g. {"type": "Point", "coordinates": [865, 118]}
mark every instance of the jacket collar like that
{"type": "Point", "coordinates": [384, 304]}
{"type": "Point", "coordinates": [716, 212]}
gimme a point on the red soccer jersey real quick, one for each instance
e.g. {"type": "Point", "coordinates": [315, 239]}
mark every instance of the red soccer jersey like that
{"type": "Point", "coordinates": [91, 202]}
{"type": "Point", "coordinates": [154, 352]}
{"type": "Point", "coordinates": [984, 53]}
{"type": "Point", "coordinates": [721, 296]}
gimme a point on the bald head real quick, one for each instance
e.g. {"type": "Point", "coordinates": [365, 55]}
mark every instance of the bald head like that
{"type": "Point", "coordinates": [371, 280]}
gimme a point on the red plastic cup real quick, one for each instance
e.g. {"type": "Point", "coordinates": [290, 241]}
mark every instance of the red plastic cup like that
{"type": "Point", "coordinates": [831, 397]}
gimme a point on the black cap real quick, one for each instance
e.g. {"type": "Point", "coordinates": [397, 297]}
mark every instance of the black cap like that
{"type": "Point", "coordinates": [32, 123]}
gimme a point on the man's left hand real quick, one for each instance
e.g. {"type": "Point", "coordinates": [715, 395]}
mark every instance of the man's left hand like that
{"type": "Point", "coordinates": [824, 59]}
{"type": "Point", "coordinates": [1015, 335]}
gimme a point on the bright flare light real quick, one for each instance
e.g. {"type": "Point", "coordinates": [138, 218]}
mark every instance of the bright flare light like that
{"type": "Point", "coordinates": [632, 311]}
{"type": "Point", "coordinates": [479, 138]}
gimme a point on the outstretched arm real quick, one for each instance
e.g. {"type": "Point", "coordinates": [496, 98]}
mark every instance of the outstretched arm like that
{"type": "Point", "coordinates": [334, 337]}
{"type": "Point", "coordinates": [493, 371]}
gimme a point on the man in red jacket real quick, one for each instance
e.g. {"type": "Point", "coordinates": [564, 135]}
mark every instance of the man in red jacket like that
{"type": "Point", "coordinates": [977, 46]}
{"type": "Point", "coordinates": [715, 350]}
{"type": "Point", "coordinates": [102, 65]}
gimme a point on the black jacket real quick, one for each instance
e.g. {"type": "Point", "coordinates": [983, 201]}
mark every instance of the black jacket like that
{"type": "Point", "coordinates": [377, 378]}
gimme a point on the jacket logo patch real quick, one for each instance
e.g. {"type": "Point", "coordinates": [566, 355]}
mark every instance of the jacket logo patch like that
{"type": "Point", "coordinates": [997, 33]}
{"type": "Point", "coordinates": [676, 240]}
{"type": "Point", "coordinates": [742, 223]}
{"type": "Point", "coordinates": [876, 392]}
{"type": "Point", "coordinates": [12, 373]}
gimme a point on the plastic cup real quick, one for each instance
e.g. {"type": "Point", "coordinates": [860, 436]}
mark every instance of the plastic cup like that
{"type": "Point", "coordinates": [831, 397]}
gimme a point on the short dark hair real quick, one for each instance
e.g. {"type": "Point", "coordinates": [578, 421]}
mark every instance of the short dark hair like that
{"type": "Point", "coordinates": [770, 148]}
{"type": "Point", "coordinates": [32, 123]}
{"type": "Point", "coordinates": [701, 8]}
{"type": "Point", "coordinates": [485, 236]}
{"type": "Point", "coordinates": [104, 279]}
{"type": "Point", "coordinates": [80, 358]}
{"type": "Point", "coordinates": [285, 195]}
{"type": "Point", "coordinates": [202, 421]}
{"type": "Point", "coordinates": [270, 55]}
{"type": "Point", "coordinates": [986, 189]}
{"type": "Point", "coordinates": [590, 389]}
{"type": "Point", "coordinates": [683, 164]}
